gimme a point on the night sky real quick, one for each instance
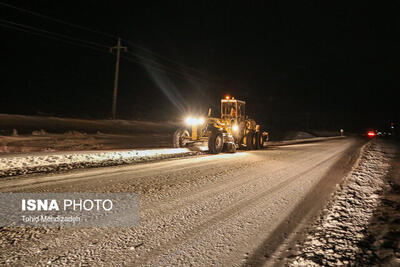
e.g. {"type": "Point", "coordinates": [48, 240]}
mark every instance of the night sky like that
{"type": "Point", "coordinates": [298, 64]}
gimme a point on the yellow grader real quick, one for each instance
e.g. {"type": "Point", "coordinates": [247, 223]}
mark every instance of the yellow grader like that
{"type": "Point", "coordinates": [233, 130]}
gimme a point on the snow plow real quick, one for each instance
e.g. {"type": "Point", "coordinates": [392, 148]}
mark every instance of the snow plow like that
{"type": "Point", "coordinates": [231, 131]}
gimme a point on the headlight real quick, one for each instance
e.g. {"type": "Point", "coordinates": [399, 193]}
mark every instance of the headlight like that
{"type": "Point", "coordinates": [189, 121]}
{"type": "Point", "coordinates": [235, 128]}
{"type": "Point", "coordinates": [194, 121]}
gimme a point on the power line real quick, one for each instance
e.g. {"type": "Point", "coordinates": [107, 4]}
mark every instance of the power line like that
{"type": "Point", "coordinates": [97, 46]}
{"type": "Point", "coordinates": [182, 72]}
{"type": "Point", "coordinates": [146, 50]}
{"type": "Point", "coordinates": [53, 33]}
{"type": "Point", "coordinates": [162, 68]}
{"type": "Point", "coordinates": [87, 44]}
{"type": "Point", "coordinates": [164, 57]}
{"type": "Point", "coordinates": [58, 20]}
{"type": "Point", "coordinates": [83, 28]}
{"type": "Point", "coordinates": [159, 64]}
{"type": "Point", "coordinates": [50, 37]}
{"type": "Point", "coordinates": [178, 69]}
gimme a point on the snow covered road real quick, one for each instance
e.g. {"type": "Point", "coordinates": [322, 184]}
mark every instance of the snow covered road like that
{"type": "Point", "coordinates": [13, 164]}
{"type": "Point", "coordinates": [225, 210]}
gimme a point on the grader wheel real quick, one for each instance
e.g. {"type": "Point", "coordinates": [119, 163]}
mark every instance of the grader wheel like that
{"type": "Point", "coordinates": [179, 137]}
{"type": "Point", "coordinates": [260, 140]}
{"type": "Point", "coordinates": [250, 143]}
{"type": "Point", "coordinates": [215, 142]}
{"type": "Point", "coordinates": [254, 141]}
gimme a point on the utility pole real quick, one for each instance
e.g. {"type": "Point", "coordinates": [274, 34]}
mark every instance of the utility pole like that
{"type": "Point", "coordinates": [118, 48]}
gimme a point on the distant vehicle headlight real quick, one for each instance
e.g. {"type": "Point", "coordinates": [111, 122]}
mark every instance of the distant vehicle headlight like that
{"type": "Point", "coordinates": [235, 128]}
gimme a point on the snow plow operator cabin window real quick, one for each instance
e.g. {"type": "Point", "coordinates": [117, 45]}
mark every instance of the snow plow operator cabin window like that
{"type": "Point", "coordinates": [228, 110]}
{"type": "Point", "coordinates": [241, 110]}
{"type": "Point", "coordinates": [232, 109]}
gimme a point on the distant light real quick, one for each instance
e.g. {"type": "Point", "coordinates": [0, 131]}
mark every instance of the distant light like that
{"type": "Point", "coordinates": [235, 128]}
{"type": "Point", "coordinates": [371, 133]}
{"type": "Point", "coordinates": [227, 97]}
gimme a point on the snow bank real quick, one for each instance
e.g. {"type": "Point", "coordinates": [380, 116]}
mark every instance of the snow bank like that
{"type": "Point", "coordinates": [336, 235]}
{"type": "Point", "coordinates": [10, 166]}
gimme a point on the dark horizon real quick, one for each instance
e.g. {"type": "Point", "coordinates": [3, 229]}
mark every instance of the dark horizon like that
{"type": "Point", "coordinates": [300, 64]}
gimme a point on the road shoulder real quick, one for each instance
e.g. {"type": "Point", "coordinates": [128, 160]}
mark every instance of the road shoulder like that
{"type": "Point", "coordinates": [358, 225]}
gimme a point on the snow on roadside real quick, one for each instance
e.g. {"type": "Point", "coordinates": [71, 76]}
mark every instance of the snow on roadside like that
{"type": "Point", "coordinates": [335, 238]}
{"type": "Point", "coordinates": [11, 166]}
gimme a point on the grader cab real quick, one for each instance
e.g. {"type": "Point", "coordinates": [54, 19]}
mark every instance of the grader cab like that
{"type": "Point", "coordinates": [231, 131]}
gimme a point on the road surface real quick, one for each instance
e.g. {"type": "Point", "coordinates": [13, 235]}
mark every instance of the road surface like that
{"type": "Point", "coordinates": [225, 210]}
